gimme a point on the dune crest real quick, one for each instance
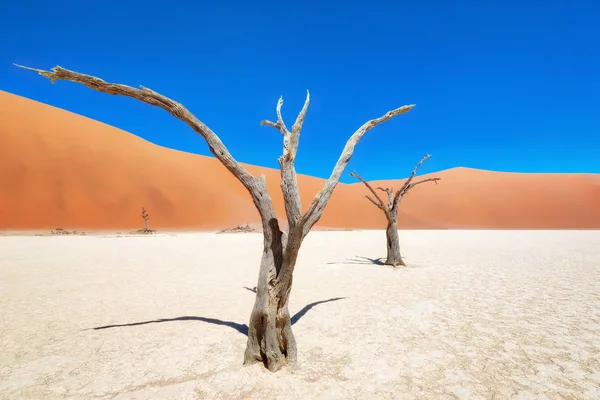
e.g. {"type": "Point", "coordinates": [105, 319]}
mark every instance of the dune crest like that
{"type": "Point", "coordinates": [61, 169]}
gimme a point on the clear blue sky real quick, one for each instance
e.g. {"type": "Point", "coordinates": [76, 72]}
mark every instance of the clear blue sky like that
{"type": "Point", "coordinates": [503, 85]}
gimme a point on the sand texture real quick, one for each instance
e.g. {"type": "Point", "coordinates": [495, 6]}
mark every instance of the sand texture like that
{"type": "Point", "coordinates": [475, 315]}
{"type": "Point", "coordinates": [63, 170]}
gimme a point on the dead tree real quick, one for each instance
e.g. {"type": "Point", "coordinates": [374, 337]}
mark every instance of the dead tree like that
{"type": "Point", "coordinates": [270, 338]}
{"type": "Point", "coordinates": [145, 217]}
{"type": "Point", "coordinates": [390, 209]}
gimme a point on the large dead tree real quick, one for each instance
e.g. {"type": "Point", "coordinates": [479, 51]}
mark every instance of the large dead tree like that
{"type": "Point", "coordinates": [390, 209]}
{"type": "Point", "coordinates": [270, 338]}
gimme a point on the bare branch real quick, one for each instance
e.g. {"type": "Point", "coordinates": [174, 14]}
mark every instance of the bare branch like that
{"type": "Point", "coordinates": [153, 98]}
{"type": "Point", "coordinates": [396, 201]}
{"type": "Point", "coordinates": [266, 122]}
{"type": "Point", "coordinates": [289, 182]}
{"type": "Point", "coordinates": [279, 125]}
{"type": "Point", "coordinates": [379, 202]}
{"type": "Point", "coordinates": [293, 144]}
{"type": "Point", "coordinates": [380, 206]}
{"type": "Point", "coordinates": [315, 210]}
{"type": "Point", "coordinates": [279, 117]}
{"type": "Point", "coordinates": [408, 185]}
{"type": "Point", "coordinates": [300, 119]}
{"type": "Point", "coordinates": [412, 185]}
{"type": "Point", "coordinates": [254, 185]}
{"type": "Point", "coordinates": [291, 191]}
{"type": "Point", "coordinates": [390, 194]}
{"type": "Point", "coordinates": [412, 175]}
{"type": "Point", "coordinates": [291, 194]}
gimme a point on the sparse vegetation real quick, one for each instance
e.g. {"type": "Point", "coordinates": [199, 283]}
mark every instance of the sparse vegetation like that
{"type": "Point", "coordinates": [143, 231]}
{"type": "Point", "coordinates": [239, 229]}
{"type": "Point", "coordinates": [146, 230]}
{"type": "Point", "coordinates": [270, 337]}
{"type": "Point", "coordinates": [390, 209]}
{"type": "Point", "coordinates": [61, 231]}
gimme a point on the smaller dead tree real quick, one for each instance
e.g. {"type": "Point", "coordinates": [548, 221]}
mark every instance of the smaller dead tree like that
{"type": "Point", "coordinates": [390, 209]}
{"type": "Point", "coordinates": [145, 217]}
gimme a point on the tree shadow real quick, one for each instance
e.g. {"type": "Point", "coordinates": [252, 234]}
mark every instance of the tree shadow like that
{"type": "Point", "coordinates": [307, 307]}
{"type": "Point", "coordinates": [242, 328]}
{"type": "Point", "coordinates": [362, 261]}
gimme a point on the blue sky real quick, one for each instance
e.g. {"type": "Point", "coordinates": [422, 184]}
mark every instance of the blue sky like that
{"type": "Point", "coordinates": [503, 85]}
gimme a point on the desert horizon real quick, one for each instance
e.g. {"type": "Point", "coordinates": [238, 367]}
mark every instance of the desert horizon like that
{"type": "Point", "coordinates": [54, 176]}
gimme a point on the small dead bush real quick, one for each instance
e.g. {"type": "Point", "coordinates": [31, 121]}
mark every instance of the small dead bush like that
{"type": "Point", "coordinates": [61, 231]}
{"type": "Point", "coordinates": [143, 231]}
{"type": "Point", "coordinates": [239, 229]}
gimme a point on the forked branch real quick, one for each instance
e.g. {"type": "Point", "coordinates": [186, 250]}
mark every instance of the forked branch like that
{"type": "Point", "coordinates": [279, 125]}
{"type": "Point", "coordinates": [289, 181]}
{"type": "Point", "coordinates": [412, 185]}
{"type": "Point", "coordinates": [412, 175]}
{"type": "Point", "coordinates": [315, 210]}
{"type": "Point", "coordinates": [390, 195]}
{"type": "Point", "coordinates": [408, 185]}
{"type": "Point", "coordinates": [379, 203]}
{"type": "Point", "coordinates": [290, 142]}
{"type": "Point", "coordinates": [394, 198]}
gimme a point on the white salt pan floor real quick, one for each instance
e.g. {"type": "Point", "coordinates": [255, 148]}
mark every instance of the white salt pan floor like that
{"type": "Point", "coordinates": [475, 315]}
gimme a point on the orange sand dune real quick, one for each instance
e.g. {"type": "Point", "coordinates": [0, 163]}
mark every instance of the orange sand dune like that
{"type": "Point", "coordinates": [60, 169]}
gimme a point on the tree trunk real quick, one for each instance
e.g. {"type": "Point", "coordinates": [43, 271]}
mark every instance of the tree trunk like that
{"type": "Point", "coordinates": [393, 244]}
{"type": "Point", "coordinates": [270, 337]}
